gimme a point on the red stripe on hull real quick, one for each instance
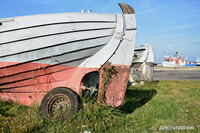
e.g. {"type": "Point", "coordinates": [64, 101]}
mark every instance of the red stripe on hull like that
{"type": "Point", "coordinates": [117, 87]}
{"type": "Point", "coordinates": [10, 68]}
{"type": "Point", "coordinates": [29, 88]}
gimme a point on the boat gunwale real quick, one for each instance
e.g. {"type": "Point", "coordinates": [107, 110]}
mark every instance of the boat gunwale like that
{"type": "Point", "coordinates": [40, 25]}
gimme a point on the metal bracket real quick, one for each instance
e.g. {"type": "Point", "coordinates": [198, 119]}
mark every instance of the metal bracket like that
{"type": "Point", "coordinates": [120, 36]}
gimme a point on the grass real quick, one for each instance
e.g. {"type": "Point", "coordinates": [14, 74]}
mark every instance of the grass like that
{"type": "Point", "coordinates": [145, 109]}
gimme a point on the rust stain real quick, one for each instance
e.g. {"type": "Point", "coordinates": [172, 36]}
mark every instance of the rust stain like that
{"type": "Point", "coordinates": [114, 88]}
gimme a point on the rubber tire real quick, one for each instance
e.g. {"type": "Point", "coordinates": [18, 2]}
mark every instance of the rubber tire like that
{"type": "Point", "coordinates": [73, 97]}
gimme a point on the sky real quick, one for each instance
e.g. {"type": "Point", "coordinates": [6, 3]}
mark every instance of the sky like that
{"type": "Point", "coordinates": [168, 25]}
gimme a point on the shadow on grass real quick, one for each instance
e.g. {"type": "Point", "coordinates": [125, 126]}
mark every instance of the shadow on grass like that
{"type": "Point", "coordinates": [8, 107]}
{"type": "Point", "coordinates": [136, 99]}
{"type": "Point", "coordinates": [5, 108]}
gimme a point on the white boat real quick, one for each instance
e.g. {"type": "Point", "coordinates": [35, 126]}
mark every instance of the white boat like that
{"type": "Point", "coordinates": [174, 60]}
{"type": "Point", "coordinates": [143, 57]}
{"type": "Point", "coordinates": [40, 54]}
{"type": "Point", "coordinates": [143, 54]}
{"type": "Point", "coordinates": [198, 61]}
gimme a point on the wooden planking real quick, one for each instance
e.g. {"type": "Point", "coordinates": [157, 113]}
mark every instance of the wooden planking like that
{"type": "Point", "coordinates": [49, 19]}
{"type": "Point", "coordinates": [102, 56]}
{"type": "Point", "coordinates": [68, 57]}
{"type": "Point", "coordinates": [48, 41]}
{"type": "Point", "coordinates": [36, 32]}
{"type": "Point", "coordinates": [56, 50]}
{"type": "Point", "coordinates": [15, 74]}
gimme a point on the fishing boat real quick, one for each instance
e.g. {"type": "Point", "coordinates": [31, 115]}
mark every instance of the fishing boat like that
{"type": "Point", "coordinates": [50, 59]}
{"type": "Point", "coordinates": [174, 60]}
{"type": "Point", "coordinates": [198, 61]}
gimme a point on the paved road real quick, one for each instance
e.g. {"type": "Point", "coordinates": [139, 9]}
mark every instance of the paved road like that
{"type": "Point", "coordinates": [176, 75]}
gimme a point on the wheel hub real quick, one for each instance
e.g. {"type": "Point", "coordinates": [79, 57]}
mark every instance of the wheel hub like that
{"type": "Point", "coordinates": [59, 105]}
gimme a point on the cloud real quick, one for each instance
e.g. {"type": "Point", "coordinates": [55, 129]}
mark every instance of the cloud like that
{"type": "Point", "coordinates": [154, 9]}
{"type": "Point", "coordinates": [184, 15]}
{"type": "Point", "coordinates": [179, 27]}
{"type": "Point", "coordinates": [152, 6]}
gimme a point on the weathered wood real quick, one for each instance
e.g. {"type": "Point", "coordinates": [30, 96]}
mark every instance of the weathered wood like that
{"type": "Point", "coordinates": [147, 71]}
{"type": "Point", "coordinates": [59, 18]}
{"type": "Point", "coordinates": [48, 30]}
{"type": "Point", "coordinates": [126, 9]}
{"type": "Point", "coordinates": [41, 52]}
{"type": "Point", "coordinates": [48, 41]}
{"type": "Point", "coordinates": [143, 58]}
{"type": "Point", "coordinates": [55, 50]}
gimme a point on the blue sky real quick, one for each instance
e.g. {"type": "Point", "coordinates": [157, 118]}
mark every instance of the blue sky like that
{"type": "Point", "coordinates": [165, 24]}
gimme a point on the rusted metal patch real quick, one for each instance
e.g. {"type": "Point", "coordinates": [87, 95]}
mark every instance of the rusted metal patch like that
{"type": "Point", "coordinates": [126, 9]}
{"type": "Point", "coordinates": [113, 84]}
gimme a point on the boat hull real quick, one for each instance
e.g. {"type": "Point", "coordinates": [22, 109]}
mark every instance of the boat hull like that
{"type": "Point", "coordinates": [30, 88]}
{"type": "Point", "coordinates": [165, 64]}
{"type": "Point", "coordinates": [42, 52]}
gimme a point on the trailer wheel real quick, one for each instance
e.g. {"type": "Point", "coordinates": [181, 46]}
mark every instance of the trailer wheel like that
{"type": "Point", "coordinates": [59, 103]}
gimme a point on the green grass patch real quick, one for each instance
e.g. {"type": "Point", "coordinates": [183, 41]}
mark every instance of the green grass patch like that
{"type": "Point", "coordinates": [145, 109]}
